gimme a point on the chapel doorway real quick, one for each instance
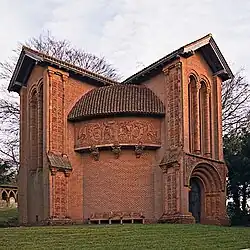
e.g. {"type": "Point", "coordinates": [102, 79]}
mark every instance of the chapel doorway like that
{"type": "Point", "coordinates": [195, 199]}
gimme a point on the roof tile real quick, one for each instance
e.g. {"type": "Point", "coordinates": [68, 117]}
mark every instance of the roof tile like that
{"type": "Point", "coordinates": [117, 99]}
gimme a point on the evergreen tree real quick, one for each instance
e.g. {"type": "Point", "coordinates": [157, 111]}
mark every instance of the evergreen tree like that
{"type": "Point", "coordinates": [237, 157]}
{"type": "Point", "coordinates": [7, 173]}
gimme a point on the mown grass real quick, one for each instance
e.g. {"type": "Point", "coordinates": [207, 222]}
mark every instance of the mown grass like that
{"type": "Point", "coordinates": [159, 236]}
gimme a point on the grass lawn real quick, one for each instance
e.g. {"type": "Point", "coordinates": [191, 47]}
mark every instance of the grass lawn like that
{"type": "Point", "coordinates": [159, 236]}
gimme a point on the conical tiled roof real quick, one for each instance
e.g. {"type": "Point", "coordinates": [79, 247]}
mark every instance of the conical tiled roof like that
{"type": "Point", "coordinates": [117, 99]}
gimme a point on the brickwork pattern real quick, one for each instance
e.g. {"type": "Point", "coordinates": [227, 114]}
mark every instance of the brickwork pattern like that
{"type": "Point", "coordinates": [119, 185]}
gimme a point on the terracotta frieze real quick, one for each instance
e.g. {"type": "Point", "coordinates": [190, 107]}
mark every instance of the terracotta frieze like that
{"type": "Point", "coordinates": [124, 132]}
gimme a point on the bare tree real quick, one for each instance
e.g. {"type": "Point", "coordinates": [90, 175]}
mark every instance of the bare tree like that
{"type": "Point", "coordinates": [9, 105]}
{"type": "Point", "coordinates": [62, 50]}
{"type": "Point", "coordinates": [9, 130]}
{"type": "Point", "coordinates": [235, 103]}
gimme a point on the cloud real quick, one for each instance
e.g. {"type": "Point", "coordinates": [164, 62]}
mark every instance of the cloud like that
{"type": "Point", "coordinates": [132, 33]}
{"type": "Point", "coordinates": [20, 21]}
{"type": "Point", "coordinates": [144, 31]}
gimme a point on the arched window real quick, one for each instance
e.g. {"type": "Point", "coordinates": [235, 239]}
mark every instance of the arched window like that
{"type": "Point", "coordinates": [33, 130]}
{"type": "Point", "coordinates": [202, 97]}
{"type": "Point", "coordinates": [191, 106]}
{"type": "Point", "coordinates": [40, 126]}
{"type": "Point", "coordinates": [205, 119]}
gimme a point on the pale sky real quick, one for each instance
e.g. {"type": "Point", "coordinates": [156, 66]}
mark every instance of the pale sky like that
{"type": "Point", "coordinates": [131, 33]}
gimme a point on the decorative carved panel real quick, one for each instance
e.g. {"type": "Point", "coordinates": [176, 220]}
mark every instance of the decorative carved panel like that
{"type": "Point", "coordinates": [57, 113]}
{"type": "Point", "coordinates": [171, 191]}
{"type": "Point", "coordinates": [60, 198]}
{"type": "Point", "coordinates": [190, 163]}
{"type": "Point", "coordinates": [173, 82]}
{"type": "Point", "coordinates": [107, 132]}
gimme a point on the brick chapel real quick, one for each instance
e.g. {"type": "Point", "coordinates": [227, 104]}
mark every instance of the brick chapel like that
{"type": "Point", "coordinates": [148, 149]}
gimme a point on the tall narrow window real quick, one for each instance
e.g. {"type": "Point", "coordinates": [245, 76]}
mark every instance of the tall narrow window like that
{"type": "Point", "coordinates": [40, 126]}
{"type": "Point", "coordinates": [33, 129]}
{"type": "Point", "coordinates": [33, 153]}
{"type": "Point", "coordinates": [203, 120]}
{"type": "Point", "coordinates": [210, 125]}
{"type": "Point", "coordinates": [191, 102]}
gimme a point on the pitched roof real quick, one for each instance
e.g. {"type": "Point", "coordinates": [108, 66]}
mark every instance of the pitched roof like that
{"type": "Point", "coordinates": [117, 99]}
{"type": "Point", "coordinates": [29, 58]}
{"type": "Point", "coordinates": [206, 45]}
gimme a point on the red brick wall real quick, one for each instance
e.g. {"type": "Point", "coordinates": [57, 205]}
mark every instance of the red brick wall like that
{"type": "Point", "coordinates": [64, 92]}
{"type": "Point", "coordinates": [73, 92]}
{"type": "Point", "coordinates": [125, 184]}
{"type": "Point", "coordinates": [197, 65]}
{"type": "Point", "coordinates": [30, 183]}
{"type": "Point", "coordinates": [157, 85]}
